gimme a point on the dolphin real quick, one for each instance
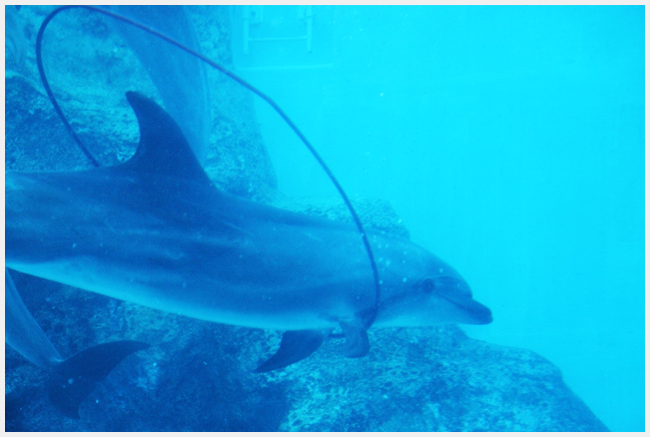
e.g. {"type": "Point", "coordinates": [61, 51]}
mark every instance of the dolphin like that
{"type": "Point", "coordinates": [155, 231]}
{"type": "Point", "coordinates": [70, 380]}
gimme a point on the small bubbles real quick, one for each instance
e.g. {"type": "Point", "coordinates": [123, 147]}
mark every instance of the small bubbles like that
{"type": "Point", "coordinates": [70, 381]}
{"type": "Point", "coordinates": [74, 245]}
{"type": "Point", "coordinates": [404, 279]}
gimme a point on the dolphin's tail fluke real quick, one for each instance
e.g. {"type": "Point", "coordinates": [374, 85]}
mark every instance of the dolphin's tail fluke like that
{"type": "Point", "coordinates": [73, 379]}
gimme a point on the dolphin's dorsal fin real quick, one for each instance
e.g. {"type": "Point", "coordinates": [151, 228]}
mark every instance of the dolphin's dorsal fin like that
{"type": "Point", "coordinates": [163, 149]}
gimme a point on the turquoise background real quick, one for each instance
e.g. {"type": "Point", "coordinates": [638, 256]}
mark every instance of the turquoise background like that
{"type": "Point", "coordinates": [510, 140]}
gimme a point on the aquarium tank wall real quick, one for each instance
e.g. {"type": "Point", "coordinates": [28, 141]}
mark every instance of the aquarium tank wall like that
{"type": "Point", "coordinates": [509, 140]}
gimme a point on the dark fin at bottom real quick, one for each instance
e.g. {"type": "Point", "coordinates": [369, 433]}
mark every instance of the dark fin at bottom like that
{"type": "Point", "coordinates": [295, 346]}
{"type": "Point", "coordinates": [73, 379]}
{"type": "Point", "coordinates": [356, 340]}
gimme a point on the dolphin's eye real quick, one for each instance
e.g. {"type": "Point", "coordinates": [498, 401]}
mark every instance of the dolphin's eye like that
{"type": "Point", "coordinates": [428, 285]}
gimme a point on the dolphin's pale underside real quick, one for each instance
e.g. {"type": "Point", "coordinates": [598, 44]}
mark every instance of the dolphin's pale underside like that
{"type": "Point", "coordinates": [155, 231]}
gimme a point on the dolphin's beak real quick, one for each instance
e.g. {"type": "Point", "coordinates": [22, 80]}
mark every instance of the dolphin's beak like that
{"type": "Point", "coordinates": [475, 313]}
{"type": "Point", "coordinates": [478, 313]}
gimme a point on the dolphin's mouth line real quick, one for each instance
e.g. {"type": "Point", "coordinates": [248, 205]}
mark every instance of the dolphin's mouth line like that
{"type": "Point", "coordinates": [483, 316]}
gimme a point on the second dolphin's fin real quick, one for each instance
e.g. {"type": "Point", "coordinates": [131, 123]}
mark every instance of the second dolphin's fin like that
{"type": "Point", "coordinates": [73, 379]}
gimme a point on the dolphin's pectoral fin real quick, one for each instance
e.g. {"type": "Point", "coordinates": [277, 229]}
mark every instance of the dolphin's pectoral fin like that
{"type": "Point", "coordinates": [73, 379]}
{"type": "Point", "coordinates": [356, 339]}
{"type": "Point", "coordinates": [295, 346]}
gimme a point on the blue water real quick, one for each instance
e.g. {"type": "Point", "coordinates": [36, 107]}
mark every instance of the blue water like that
{"type": "Point", "coordinates": [510, 140]}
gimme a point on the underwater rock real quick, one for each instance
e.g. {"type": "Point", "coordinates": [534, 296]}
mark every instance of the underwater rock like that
{"type": "Point", "coordinates": [198, 376]}
{"type": "Point", "coordinates": [15, 40]}
{"type": "Point", "coordinates": [435, 379]}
